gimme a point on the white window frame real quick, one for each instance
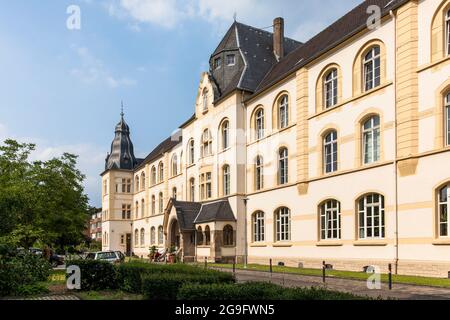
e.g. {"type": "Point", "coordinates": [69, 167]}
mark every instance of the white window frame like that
{"type": "Point", "coordinates": [366, 213]}
{"type": "Point", "coordinates": [174, 193]}
{"type": "Point", "coordinates": [153, 176]}
{"type": "Point", "coordinates": [160, 172]}
{"type": "Point", "coordinates": [443, 207]}
{"type": "Point", "coordinates": [153, 205]}
{"type": "Point", "coordinates": [371, 149]}
{"type": "Point", "coordinates": [330, 152]}
{"type": "Point", "coordinates": [192, 189]}
{"type": "Point", "coordinates": [447, 32]}
{"type": "Point", "coordinates": [226, 180]}
{"type": "Point", "coordinates": [259, 123]}
{"type": "Point", "coordinates": [191, 152]}
{"type": "Point", "coordinates": [258, 227]}
{"type": "Point", "coordinates": [225, 135]}
{"type": "Point", "coordinates": [161, 202]}
{"type": "Point", "coordinates": [283, 224]}
{"type": "Point", "coordinates": [330, 220]}
{"type": "Point", "coordinates": [205, 100]}
{"type": "Point", "coordinates": [283, 112]}
{"type": "Point", "coordinates": [174, 165]}
{"type": "Point", "coordinates": [142, 236]}
{"type": "Point", "coordinates": [447, 119]}
{"type": "Point", "coordinates": [233, 56]}
{"type": "Point", "coordinates": [206, 147]}
{"type": "Point", "coordinates": [160, 235]}
{"type": "Point", "coordinates": [142, 208]}
{"type": "Point", "coordinates": [153, 235]}
{"type": "Point", "coordinates": [283, 166]}
{"type": "Point", "coordinates": [259, 173]}
{"type": "Point", "coordinates": [217, 63]}
{"type": "Point", "coordinates": [372, 72]}
{"type": "Point", "coordinates": [330, 88]}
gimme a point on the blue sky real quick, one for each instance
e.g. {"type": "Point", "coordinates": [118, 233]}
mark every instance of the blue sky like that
{"type": "Point", "coordinates": [61, 88]}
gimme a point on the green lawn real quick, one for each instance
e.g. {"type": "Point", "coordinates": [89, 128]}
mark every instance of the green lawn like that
{"type": "Point", "coordinates": [108, 295]}
{"type": "Point", "coordinates": [415, 280]}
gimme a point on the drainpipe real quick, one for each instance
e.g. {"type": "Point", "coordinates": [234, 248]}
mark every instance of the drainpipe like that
{"type": "Point", "coordinates": [245, 186]}
{"type": "Point", "coordinates": [393, 16]}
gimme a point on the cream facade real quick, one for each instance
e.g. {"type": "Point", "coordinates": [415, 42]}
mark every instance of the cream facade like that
{"type": "Point", "coordinates": [339, 157]}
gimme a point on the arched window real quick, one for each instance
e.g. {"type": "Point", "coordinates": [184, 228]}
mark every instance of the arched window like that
{"type": "Point", "coordinates": [161, 172]}
{"type": "Point", "coordinates": [371, 65]}
{"type": "Point", "coordinates": [136, 237]}
{"type": "Point", "coordinates": [161, 202]}
{"type": "Point", "coordinates": [330, 220]}
{"type": "Point", "coordinates": [136, 208]}
{"type": "Point", "coordinates": [259, 123]}
{"type": "Point", "coordinates": [225, 132]}
{"type": "Point", "coordinates": [199, 236]}
{"type": "Point", "coordinates": [447, 119]}
{"type": "Point", "coordinates": [371, 216]}
{"type": "Point", "coordinates": [136, 187]}
{"type": "Point", "coordinates": [259, 173]}
{"type": "Point", "coordinates": [181, 161]}
{"type": "Point", "coordinates": [228, 235]}
{"type": "Point", "coordinates": [205, 99]}
{"type": "Point", "coordinates": [330, 152]}
{"type": "Point", "coordinates": [142, 237]}
{"type": "Point", "coordinates": [283, 224]}
{"type": "Point", "coordinates": [258, 226]}
{"type": "Point", "coordinates": [443, 209]}
{"type": "Point", "coordinates": [192, 189]}
{"type": "Point", "coordinates": [160, 235]}
{"type": "Point", "coordinates": [330, 88]}
{"type": "Point", "coordinates": [142, 208]}
{"type": "Point", "coordinates": [191, 150]}
{"type": "Point", "coordinates": [174, 193]}
{"type": "Point", "coordinates": [153, 205]}
{"type": "Point", "coordinates": [226, 179]}
{"type": "Point", "coordinates": [153, 176]}
{"type": "Point", "coordinates": [152, 235]}
{"type": "Point", "coordinates": [142, 181]}
{"type": "Point", "coordinates": [206, 147]}
{"type": "Point", "coordinates": [283, 112]}
{"type": "Point", "coordinates": [174, 165]}
{"type": "Point", "coordinates": [447, 32]}
{"type": "Point", "coordinates": [207, 236]}
{"type": "Point", "coordinates": [283, 166]}
{"type": "Point", "coordinates": [371, 140]}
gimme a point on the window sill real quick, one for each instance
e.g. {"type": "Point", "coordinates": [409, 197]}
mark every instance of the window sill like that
{"type": "Point", "coordinates": [229, 246]}
{"type": "Point", "coordinates": [258, 244]}
{"type": "Point", "coordinates": [370, 243]}
{"type": "Point", "coordinates": [441, 242]}
{"type": "Point", "coordinates": [206, 246]}
{"type": "Point", "coordinates": [329, 243]}
{"type": "Point", "coordinates": [282, 244]}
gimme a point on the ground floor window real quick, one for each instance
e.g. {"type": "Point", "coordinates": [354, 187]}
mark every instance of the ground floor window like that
{"type": "Point", "coordinates": [443, 203]}
{"type": "Point", "coordinates": [258, 226]}
{"type": "Point", "coordinates": [283, 224]}
{"type": "Point", "coordinates": [330, 220]}
{"type": "Point", "coordinates": [371, 216]}
{"type": "Point", "coordinates": [160, 235]}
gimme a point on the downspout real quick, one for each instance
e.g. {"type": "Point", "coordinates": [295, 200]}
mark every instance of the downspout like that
{"type": "Point", "coordinates": [245, 184]}
{"type": "Point", "coordinates": [392, 14]}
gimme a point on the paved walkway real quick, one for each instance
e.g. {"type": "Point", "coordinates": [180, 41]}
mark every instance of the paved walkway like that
{"type": "Point", "coordinates": [50, 297]}
{"type": "Point", "coordinates": [358, 287]}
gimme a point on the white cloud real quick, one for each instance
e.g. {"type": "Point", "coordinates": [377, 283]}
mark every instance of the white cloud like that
{"type": "Point", "coordinates": [92, 70]}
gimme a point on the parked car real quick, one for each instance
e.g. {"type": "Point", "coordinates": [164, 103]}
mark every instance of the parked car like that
{"type": "Point", "coordinates": [110, 256]}
{"type": "Point", "coordinates": [56, 260]}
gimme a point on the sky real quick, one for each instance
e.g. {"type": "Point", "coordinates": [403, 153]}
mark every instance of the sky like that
{"type": "Point", "coordinates": [61, 88]}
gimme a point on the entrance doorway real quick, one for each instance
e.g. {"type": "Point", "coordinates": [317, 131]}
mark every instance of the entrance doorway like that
{"type": "Point", "coordinates": [175, 234]}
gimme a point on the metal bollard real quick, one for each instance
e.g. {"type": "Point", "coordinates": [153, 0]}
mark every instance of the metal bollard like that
{"type": "Point", "coordinates": [234, 266]}
{"type": "Point", "coordinates": [206, 262]}
{"type": "Point", "coordinates": [323, 272]}
{"type": "Point", "coordinates": [271, 269]}
{"type": "Point", "coordinates": [390, 276]}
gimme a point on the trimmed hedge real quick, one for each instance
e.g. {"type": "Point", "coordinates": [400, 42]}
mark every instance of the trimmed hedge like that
{"type": "Point", "coordinates": [256, 291]}
{"type": "Point", "coordinates": [165, 286]}
{"type": "Point", "coordinates": [95, 274]}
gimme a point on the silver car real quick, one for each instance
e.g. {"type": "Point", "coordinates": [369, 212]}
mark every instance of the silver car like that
{"type": "Point", "coordinates": [109, 256]}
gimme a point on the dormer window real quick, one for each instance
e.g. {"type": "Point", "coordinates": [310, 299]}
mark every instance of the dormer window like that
{"type": "Point", "coordinates": [231, 59]}
{"type": "Point", "coordinates": [217, 63]}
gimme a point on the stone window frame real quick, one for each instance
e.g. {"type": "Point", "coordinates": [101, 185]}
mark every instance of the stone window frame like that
{"type": "Point", "coordinates": [282, 217]}
{"type": "Point", "coordinates": [372, 130]}
{"type": "Point", "coordinates": [283, 166]}
{"type": "Point", "coordinates": [325, 207]}
{"type": "Point", "coordinates": [259, 173]}
{"type": "Point", "coordinates": [174, 164]}
{"type": "Point", "coordinates": [361, 209]}
{"type": "Point", "coordinates": [258, 226]}
{"type": "Point", "coordinates": [440, 33]}
{"type": "Point", "coordinates": [334, 143]}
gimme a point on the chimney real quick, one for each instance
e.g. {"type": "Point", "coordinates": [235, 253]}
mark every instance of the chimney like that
{"type": "Point", "coordinates": [278, 37]}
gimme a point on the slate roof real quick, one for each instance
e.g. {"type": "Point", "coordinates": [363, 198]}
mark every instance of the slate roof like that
{"type": "Point", "coordinates": [163, 147]}
{"type": "Point", "coordinates": [191, 213]}
{"type": "Point", "coordinates": [344, 28]}
{"type": "Point", "coordinates": [122, 150]}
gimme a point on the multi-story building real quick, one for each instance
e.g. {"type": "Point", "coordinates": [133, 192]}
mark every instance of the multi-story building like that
{"type": "Point", "coordinates": [95, 226]}
{"type": "Point", "coordinates": [336, 149]}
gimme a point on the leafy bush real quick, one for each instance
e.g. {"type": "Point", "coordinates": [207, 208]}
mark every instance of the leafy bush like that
{"type": "Point", "coordinates": [256, 291]}
{"type": "Point", "coordinates": [31, 290]}
{"type": "Point", "coordinates": [165, 286]}
{"type": "Point", "coordinates": [95, 274]}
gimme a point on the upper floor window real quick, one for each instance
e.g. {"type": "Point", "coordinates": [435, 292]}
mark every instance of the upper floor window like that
{"type": "Point", "coordinates": [161, 202]}
{"type": "Point", "coordinates": [283, 224]}
{"type": "Point", "coordinates": [160, 235]}
{"type": "Point", "coordinates": [259, 173]}
{"type": "Point", "coordinates": [161, 172]}
{"type": "Point", "coordinates": [191, 150]}
{"type": "Point", "coordinates": [371, 216]}
{"type": "Point", "coordinates": [192, 189]}
{"type": "Point", "coordinates": [206, 147]}
{"type": "Point", "coordinates": [372, 64]}
{"type": "Point", "coordinates": [174, 193]}
{"type": "Point", "coordinates": [217, 63]}
{"type": "Point", "coordinates": [205, 99]}
{"type": "Point", "coordinates": [142, 181]}
{"type": "Point", "coordinates": [283, 112]}
{"type": "Point", "coordinates": [126, 211]}
{"type": "Point", "coordinates": [443, 207]}
{"type": "Point", "coordinates": [283, 166]}
{"type": "Point", "coordinates": [330, 220]}
{"type": "Point", "coordinates": [226, 180]}
{"type": "Point", "coordinates": [259, 123]}
{"type": "Point", "coordinates": [330, 88]}
{"type": "Point", "coordinates": [153, 176]}
{"type": "Point", "coordinates": [136, 214]}
{"type": "Point", "coordinates": [174, 165]}
{"type": "Point", "coordinates": [225, 130]}
{"type": "Point", "coordinates": [330, 152]}
{"type": "Point", "coordinates": [231, 59]}
{"type": "Point", "coordinates": [447, 118]}
{"type": "Point", "coordinates": [205, 186]}
{"type": "Point", "coordinates": [371, 140]}
{"type": "Point", "coordinates": [447, 32]}
{"type": "Point", "coordinates": [126, 185]}
{"type": "Point", "coordinates": [258, 226]}
{"type": "Point", "coordinates": [136, 237]}
{"type": "Point", "coordinates": [142, 236]}
{"type": "Point", "coordinates": [142, 208]}
{"type": "Point", "coordinates": [152, 235]}
{"type": "Point", "coordinates": [136, 184]}
{"type": "Point", "coordinates": [153, 204]}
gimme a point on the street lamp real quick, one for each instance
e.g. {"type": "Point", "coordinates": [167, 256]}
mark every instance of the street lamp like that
{"type": "Point", "coordinates": [245, 233]}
